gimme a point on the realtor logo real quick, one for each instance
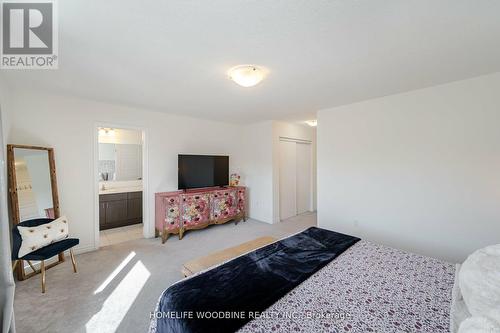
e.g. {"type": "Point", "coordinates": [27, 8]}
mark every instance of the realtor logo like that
{"type": "Point", "coordinates": [29, 35]}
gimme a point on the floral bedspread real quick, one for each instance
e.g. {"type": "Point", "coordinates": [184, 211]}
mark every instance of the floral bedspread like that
{"type": "Point", "coordinates": [369, 288]}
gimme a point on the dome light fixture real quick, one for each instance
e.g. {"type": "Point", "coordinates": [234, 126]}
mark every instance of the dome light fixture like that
{"type": "Point", "coordinates": [247, 75]}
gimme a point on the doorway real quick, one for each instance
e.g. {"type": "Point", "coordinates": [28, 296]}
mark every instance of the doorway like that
{"type": "Point", "coordinates": [119, 175]}
{"type": "Point", "coordinates": [295, 177]}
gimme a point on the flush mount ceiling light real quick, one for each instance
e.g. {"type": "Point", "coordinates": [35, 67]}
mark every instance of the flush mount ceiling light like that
{"type": "Point", "coordinates": [312, 123]}
{"type": "Point", "coordinates": [247, 75]}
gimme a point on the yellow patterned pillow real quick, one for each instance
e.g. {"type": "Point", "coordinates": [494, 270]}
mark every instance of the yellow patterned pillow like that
{"type": "Point", "coordinates": [34, 238]}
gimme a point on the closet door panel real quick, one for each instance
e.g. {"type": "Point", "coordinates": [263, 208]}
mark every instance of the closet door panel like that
{"type": "Point", "coordinates": [288, 179]}
{"type": "Point", "coordinates": [303, 177]}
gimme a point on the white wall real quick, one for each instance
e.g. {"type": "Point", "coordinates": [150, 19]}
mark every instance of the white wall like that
{"type": "Point", "coordinates": [4, 101]}
{"type": "Point", "coordinates": [260, 157]}
{"type": "Point", "coordinates": [68, 125]}
{"type": "Point", "coordinates": [257, 154]}
{"type": "Point", "coordinates": [292, 131]}
{"type": "Point", "coordinates": [6, 277]}
{"type": "Point", "coordinates": [418, 171]}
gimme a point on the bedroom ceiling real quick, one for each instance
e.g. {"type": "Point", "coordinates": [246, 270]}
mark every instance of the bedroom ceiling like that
{"type": "Point", "coordinates": [173, 55]}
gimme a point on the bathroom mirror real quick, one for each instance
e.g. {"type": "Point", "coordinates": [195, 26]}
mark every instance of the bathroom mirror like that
{"type": "Point", "coordinates": [120, 162]}
{"type": "Point", "coordinates": [32, 186]}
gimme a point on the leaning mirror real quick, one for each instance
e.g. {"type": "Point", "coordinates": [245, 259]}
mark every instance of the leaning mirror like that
{"type": "Point", "coordinates": [32, 186]}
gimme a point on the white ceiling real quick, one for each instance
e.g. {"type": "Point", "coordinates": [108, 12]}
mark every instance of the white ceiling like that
{"type": "Point", "coordinates": [172, 55]}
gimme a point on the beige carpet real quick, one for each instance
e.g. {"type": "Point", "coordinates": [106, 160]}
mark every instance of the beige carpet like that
{"type": "Point", "coordinates": [96, 300]}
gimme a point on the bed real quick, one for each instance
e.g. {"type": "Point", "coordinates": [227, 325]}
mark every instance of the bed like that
{"type": "Point", "coordinates": [339, 283]}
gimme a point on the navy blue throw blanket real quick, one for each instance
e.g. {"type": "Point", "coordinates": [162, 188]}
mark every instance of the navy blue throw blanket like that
{"type": "Point", "coordinates": [225, 298]}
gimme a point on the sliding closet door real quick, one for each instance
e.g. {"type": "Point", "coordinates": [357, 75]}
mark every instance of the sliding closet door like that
{"type": "Point", "coordinates": [304, 156]}
{"type": "Point", "coordinates": [288, 179]}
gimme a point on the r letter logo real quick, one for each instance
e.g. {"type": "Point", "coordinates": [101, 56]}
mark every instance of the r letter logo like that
{"type": "Point", "coordinates": [29, 35]}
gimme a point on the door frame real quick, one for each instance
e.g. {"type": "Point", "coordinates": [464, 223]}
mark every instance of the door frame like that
{"type": "Point", "coordinates": [311, 175]}
{"type": "Point", "coordinates": [147, 227]}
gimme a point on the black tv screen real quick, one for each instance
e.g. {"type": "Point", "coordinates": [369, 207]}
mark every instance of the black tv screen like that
{"type": "Point", "coordinates": [202, 171]}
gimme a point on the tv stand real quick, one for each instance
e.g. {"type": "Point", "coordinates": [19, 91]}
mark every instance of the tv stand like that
{"type": "Point", "coordinates": [179, 211]}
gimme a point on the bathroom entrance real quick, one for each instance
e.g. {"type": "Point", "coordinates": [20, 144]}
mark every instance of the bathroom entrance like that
{"type": "Point", "coordinates": [120, 181]}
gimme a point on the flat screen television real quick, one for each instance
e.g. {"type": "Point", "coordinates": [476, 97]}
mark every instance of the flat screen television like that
{"type": "Point", "coordinates": [197, 171]}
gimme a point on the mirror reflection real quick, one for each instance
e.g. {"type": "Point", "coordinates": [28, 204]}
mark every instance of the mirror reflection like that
{"type": "Point", "coordinates": [119, 162]}
{"type": "Point", "coordinates": [34, 187]}
{"type": "Point", "coordinates": [120, 155]}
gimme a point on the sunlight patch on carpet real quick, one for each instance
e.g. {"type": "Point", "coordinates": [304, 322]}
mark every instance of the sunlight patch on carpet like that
{"type": "Point", "coordinates": [115, 273]}
{"type": "Point", "coordinates": [115, 307]}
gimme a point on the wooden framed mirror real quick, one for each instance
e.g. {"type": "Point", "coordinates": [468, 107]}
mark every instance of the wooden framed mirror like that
{"type": "Point", "coordinates": [33, 190]}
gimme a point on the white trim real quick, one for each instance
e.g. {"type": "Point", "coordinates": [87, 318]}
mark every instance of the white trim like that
{"type": "Point", "coordinates": [148, 225]}
{"type": "Point", "coordinates": [83, 249]}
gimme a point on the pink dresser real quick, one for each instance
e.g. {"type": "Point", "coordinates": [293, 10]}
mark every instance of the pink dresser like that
{"type": "Point", "coordinates": [179, 211]}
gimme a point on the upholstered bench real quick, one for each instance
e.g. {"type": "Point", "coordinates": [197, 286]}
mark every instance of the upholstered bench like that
{"type": "Point", "coordinates": [194, 266]}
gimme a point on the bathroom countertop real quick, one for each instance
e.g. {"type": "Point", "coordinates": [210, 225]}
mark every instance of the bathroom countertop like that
{"type": "Point", "coordinates": [121, 190]}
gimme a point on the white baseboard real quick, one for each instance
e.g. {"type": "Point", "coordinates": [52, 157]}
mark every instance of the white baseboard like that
{"type": "Point", "coordinates": [79, 249]}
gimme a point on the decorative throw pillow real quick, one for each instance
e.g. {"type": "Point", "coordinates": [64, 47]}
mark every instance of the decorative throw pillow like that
{"type": "Point", "coordinates": [34, 238]}
{"type": "Point", "coordinates": [479, 279]}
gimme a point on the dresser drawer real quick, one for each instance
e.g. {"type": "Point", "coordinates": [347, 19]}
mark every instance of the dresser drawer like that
{"type": "Point", "coordinates": [172, 213]}
{"type": "Point", "coordinates": [223, 204]}
{"type": "Point", "coordinates": [241, 200]}
{"type": "Point", "coordinates": [195, 209]}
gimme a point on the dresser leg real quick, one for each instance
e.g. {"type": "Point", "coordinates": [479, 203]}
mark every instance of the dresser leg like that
{"type": "Point", "coordinates": [164, 236]}
{"type": "Point", "coordinates": [181, 233]}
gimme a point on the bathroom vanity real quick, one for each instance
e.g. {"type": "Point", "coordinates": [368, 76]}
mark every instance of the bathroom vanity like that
{"type": "Point", "coordinates": [119, 208]}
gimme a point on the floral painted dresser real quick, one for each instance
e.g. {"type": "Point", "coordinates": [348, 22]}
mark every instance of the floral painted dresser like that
{"type": "Point", "coordinates": [179, 211]}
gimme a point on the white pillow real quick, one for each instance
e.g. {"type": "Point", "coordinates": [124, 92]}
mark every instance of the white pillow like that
{"type": "Point", "coordinates": [488, 323]}
{"type": "Point", "coordinates": [479, 280]}
{"type": "Point", "coordinates": [35, 238]}
{"type": "Point", "coordinates": [458, 311]}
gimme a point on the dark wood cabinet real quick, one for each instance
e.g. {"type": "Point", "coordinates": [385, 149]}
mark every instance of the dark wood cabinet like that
{"type": "Point", "coordinates": [119, 209]}
{"type": "Point", "coordinates": [102, 213]}
{"type": "Point", "coordinates": [116, 211]}
{"type": "Point", "coordinates": [134, 205]}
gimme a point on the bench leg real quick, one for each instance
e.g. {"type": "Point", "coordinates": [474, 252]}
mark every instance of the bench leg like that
{"type": "Point", "coordinates": [14, 265]}
{"type": "Point", "coordinates": [42, 268]}
{"type": "Point", "coordinates": [73, 261]}
{"type": "Point", "coordinates": [31, 265]}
